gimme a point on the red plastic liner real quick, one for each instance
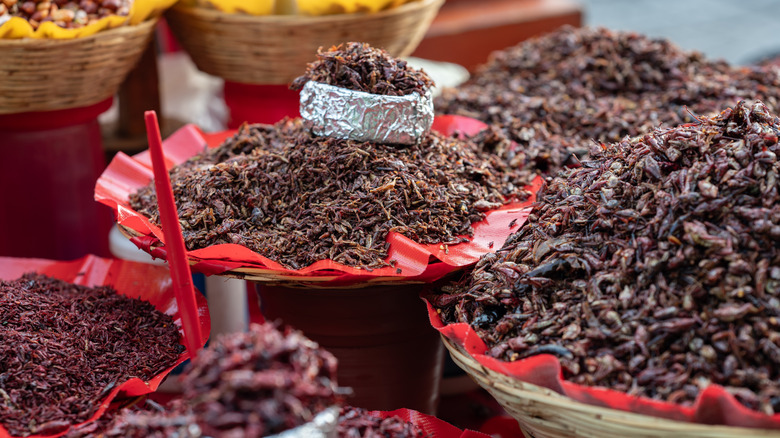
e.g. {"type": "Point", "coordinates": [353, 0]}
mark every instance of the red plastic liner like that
{"type": "Point", "coordinates": [430, 425]}
{"type": "Point", "coordinates": [713, 406]}
{"type": "Point", "coordinates": [138, 280]}
{"type": "Point", "coordinates": [418, 263]}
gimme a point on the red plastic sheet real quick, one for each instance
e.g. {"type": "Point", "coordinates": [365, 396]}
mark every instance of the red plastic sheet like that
{"type": "Point", "coordinates": [502, 426]}
{"type": "Point", "coordinates": [713, 406]}
{"type": "Point", "coordinates": [137, 280]}
{"type": "Point", "coordinates": [418, 263]}
{"type": "Point", "coordinates": [430, 425]}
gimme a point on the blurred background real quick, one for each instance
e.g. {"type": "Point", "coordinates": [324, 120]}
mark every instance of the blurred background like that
{"type": "Point", "coordinates": [740, 32]}
{"type": "Point", "coordinates": [465, 32]}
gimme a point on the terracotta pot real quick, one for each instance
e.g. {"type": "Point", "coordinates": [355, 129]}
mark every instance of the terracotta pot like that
{"type": "Point", "coordinates": [387, 350]}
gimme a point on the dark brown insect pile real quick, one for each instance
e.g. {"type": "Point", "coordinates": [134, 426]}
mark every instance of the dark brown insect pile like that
{"type": "Point", "coordinates": [64, 13]}
{"type": "Point", "coordinates": [653, 269]}
{"type": "Point", "coordinates": [359, 423]}
{"type": "Point", "coordinates": [260, 382]}
{"type": "Point", "coordinates": [297, 198]}
{"type": "Point", "coordinates": [360, 67]}
{"type": "Point", "coordinates": [557, 94]}
{"type": "Point", "coordinates": [63, 347]}
{"type": "Point", "coordinates": [145, 421]}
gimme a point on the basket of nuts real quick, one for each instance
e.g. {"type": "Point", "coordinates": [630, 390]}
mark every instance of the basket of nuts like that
{"type": "Point", "coordinates": [60, 54]}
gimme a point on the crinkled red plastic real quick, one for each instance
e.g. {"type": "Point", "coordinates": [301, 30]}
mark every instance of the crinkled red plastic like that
{"type": "Point", "coordinates": [138, 280]}
{"type": "Point", "coordinates": [430, 425]}
{"type": "Point", "coordinates": [417, 262]}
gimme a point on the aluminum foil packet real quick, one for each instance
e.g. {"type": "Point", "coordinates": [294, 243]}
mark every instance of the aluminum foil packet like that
{"type": "Point", "coordinates": [324, 425]}
{"type": "Point", "coordinates": [355, 115]}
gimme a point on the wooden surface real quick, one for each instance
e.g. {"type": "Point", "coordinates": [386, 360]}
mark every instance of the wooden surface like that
{"type": "Point", "coordinates": [466, 31]}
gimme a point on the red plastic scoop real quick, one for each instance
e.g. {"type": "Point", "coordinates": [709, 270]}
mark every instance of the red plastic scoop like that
{"type": "Point", "coordinates": [177, 257]}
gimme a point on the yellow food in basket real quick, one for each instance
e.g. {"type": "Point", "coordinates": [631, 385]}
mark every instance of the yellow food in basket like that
{"type": "Point", "coordinates": [303, 7]}
{"type": "Point", "coordinates": [18, 27]}
{"type": "Point", "coordinates": [252, 7]}
{"type": "Point", "coordinates": [325, 7]}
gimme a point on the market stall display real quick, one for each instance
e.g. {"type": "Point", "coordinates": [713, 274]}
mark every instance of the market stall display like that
{"type": "Point", "coordinates": [77, 335]}
{"type": "Point", "coordinates": [592, 221]}
{"type": "Point", "coordinates": [294, 232]}
{"type": "Point", "coordinates": [650, 274]}
{"type": "Point", "coordinates": [442, 204]}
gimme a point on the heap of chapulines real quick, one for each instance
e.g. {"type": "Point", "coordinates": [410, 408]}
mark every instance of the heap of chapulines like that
{"type": "Point", "coordinates": [64, 347]}
{"type": "Point", "coordinates": [653, 269]}
{"type": "Point", "coordinates": [250, 384]}
{"type": "Point", "coordinates": [148, 420]}
{"type": "Point", "coordinates": [557, 94]}
{"type": "Point", "coordinates": [179, 421]}
{"type": "Point", "coordinates": [360, 67]}
{"type": "Point", "coordinates": [360, 423]}
{"type": "Point", "coordinates": [260, 383]}
{"type": "Point", "coordinates": [297, 198]}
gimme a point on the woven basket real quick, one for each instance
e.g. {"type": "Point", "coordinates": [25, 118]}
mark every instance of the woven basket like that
{"type": "Point", "coordinates": [543, 413]}
{"type": "Point", "coordinates": [53, 74]}
{"type": "Point", "coordinates": [274, 49]}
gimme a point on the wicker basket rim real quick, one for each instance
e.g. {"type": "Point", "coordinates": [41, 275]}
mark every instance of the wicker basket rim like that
{"type": "Point", "coordinates": [117, 32]}
{"type": "Point", "coordinates": [547, 396]}
{"type": "Point", "coordinates": [298, 20]}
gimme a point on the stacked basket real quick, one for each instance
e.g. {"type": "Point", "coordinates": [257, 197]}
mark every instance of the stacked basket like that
{"type": "Point", "coordinates": [274, 49]}
{"type": "Point", "coordinates": [42, 74]}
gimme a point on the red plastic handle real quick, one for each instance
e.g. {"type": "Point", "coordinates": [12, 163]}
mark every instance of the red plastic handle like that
{"type": "Point", "coordinates": [174, 242]}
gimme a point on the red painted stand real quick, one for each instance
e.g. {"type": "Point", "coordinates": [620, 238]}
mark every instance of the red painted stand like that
{"type": "Point", "coordinates": [259, 103]}
{"type": "Point", "coordinates": [49, 162]}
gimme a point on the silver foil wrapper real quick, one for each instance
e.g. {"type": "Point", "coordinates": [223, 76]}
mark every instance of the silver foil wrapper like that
{"type": "Point", "coordinates": [323, 425]}
{"type": "Point", "coordinates": [354, 115]}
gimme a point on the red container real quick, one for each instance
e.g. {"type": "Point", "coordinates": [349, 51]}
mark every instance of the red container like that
{"type": "Point", "coordinates": [49, 163]}
{"type": "Point", "coordinates": [259, 103]}
{"type": "Point", "coordinates": [388, 352]}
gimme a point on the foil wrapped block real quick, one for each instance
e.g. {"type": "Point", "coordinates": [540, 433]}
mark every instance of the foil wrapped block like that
{"type": "Point", "coordinates": [322, 426]}
{"type": "Point", "coordinates": [355, 115]}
